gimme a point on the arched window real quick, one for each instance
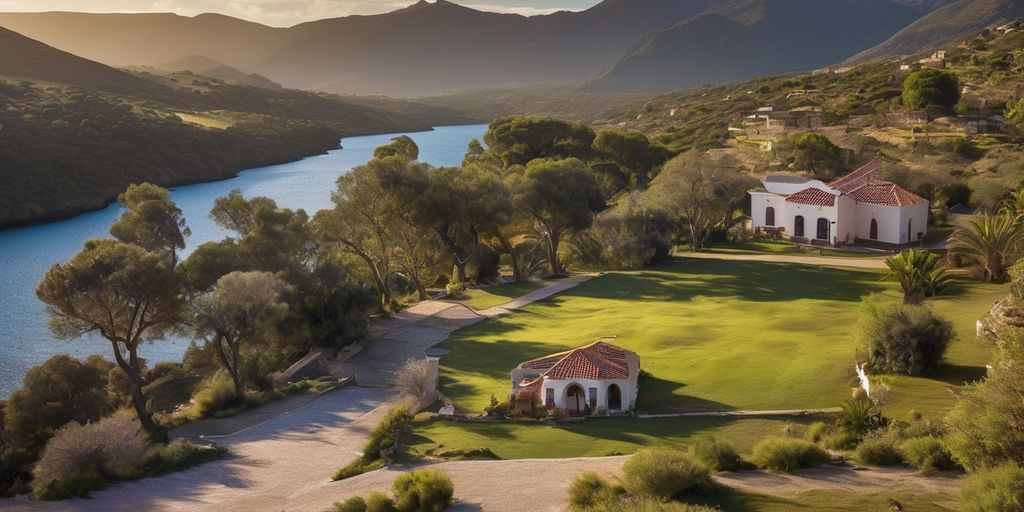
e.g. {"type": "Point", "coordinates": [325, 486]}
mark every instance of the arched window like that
{"type": "Point", "coordinates": [614, 398]}
{"type": "Point", "coordinates": [910, 230]}
{"type": "Point", "coordinates": [798, 225]}
{"type": "Point", "coordinates": [769, 216]}
{"type": "Point", "coordinates": [874, 230]}
{"type": "Point", "coordinates": [823, 229]}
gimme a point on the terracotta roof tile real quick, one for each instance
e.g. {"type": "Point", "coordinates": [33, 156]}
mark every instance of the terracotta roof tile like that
{"type": "Point", "coordinates": [812, 196]}
{"type": "Point", "coordinates": [885, 193]}
{"type": "Point", "coordinates": [856, 178]}
{"type": "Point", "coordinates": [599, 360]}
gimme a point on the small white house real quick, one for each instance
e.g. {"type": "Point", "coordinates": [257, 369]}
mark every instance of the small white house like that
{"type": "Point", "coordinates": [600, 375]}
{"type": "Point", "coordinates": [856, 207]}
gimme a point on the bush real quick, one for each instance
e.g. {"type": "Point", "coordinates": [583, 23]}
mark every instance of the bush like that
{"type": "Point", "coordinates": [904, 338]}
{"type": "Point", "coordinates": [383, 439]}
{"type": "Point", "coordinates": [715, 455]}
{"type": "Point", "coordinates": [423, 490]}
{"type": "Point", "coordinates": [927, 453]}
{"type": "Point", "coordinates": [877, 452]}
{"type": "Point", "coordinates": [216, 396]}
{"type": "Point", "coordinates": [817, 431]}
{"type": "Point", "coordinates": [353, 504]}
{"type": "Point", "coordinates": [1000, 489]}
{"type": "Point", "coordinates": [589, 491]}
{"type": "Point", "coordinates": [782, 454]}
{"type": "Point", "coordinates": [178, 455]}
{"type": "Point", "coordinates": [115, 445]}
{"type": "Point", "coordinates": [380, 502]}
{"type": "Point", "coordinates": [76, 485]}
{"type": "Point", "coordinates": [411, 380]}
{"type": "Point", "coordinates": [842, 440]}
{"type": "Point", "coordinates": [860, 417]}
{"type": "Point", "coordinates": [662, 474]}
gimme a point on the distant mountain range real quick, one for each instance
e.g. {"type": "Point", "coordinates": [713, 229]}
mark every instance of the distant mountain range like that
{"type": "Point", "coordinates": [617, 45]}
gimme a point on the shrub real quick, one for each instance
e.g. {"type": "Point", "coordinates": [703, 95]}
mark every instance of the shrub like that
{"type": "Point", "coordinates": [904, 338]}
{"type": "Point", "coordinates": [115, 445]}
{"type": "Point", "coordinates": [380, 502]}
{"type": "Point", "coordinates": [927, 453]}
{"type": "Point", "coordinates": [589, 491]}
{"type": "Point", "coordinates": [77, 485]}
{"type": "Point", "coordinates": [715, 455]}
{"type": "Point", "coordinates": [411, 380]}
{"type": "Point", "coordinates": [662, 474]}
{"type": "Point", "coordinates": [782, 454]}
{"type": "Point", "coordinates": [1000, 489]}
{"type": "Point", "coordinates": [877, 452]}
{"type": "Point", "coordinates": [178, 455]}
{"type": "Point", "coordinates": [423, 490]}
{"type": "Point", "coordinates": [215, 396]}
{"type": "Point", "coordinates": [860, 417]}
{"type": "Point", "coordinates": [842, 440]}
{"type": "Point", "coordinates": [353, 504]}
{"type": "Point", "coordinates": [466, 453]}
{"type": "Point", "coordinates": [383, 438]}
{"type": "Point", "coordinates": [817, 431]}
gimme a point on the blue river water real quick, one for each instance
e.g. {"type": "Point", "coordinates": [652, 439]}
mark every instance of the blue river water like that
{"type": "Point", "coordinates": [27, 253]}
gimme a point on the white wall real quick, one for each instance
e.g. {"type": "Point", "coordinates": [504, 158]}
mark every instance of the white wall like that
{"type": "Point", "coordinates": [918, 213]}
{"type": "Point", "coordinates": [629, 392]}
{"type": "Point", "coordinates": [889, 218]}
{"type": "Point", "coordinates": [760, 201]}
{"type": "Point", "coordinates": [811, 215]}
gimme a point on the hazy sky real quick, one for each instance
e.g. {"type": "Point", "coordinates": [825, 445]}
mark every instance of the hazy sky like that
{"type": "Point", "coordinates": [280, 12]}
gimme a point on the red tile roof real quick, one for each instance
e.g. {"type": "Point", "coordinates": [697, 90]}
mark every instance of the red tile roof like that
{"type": "Point", "coordinates": [812, 196]}
{"type": "Point", "coordinates": [857, 178]}
{"type": "Point", "coordinates": [885, 193]}
{"type": "Point", "coordinates": [599, 360]}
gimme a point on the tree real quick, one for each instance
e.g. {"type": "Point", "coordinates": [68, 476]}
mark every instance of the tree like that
{"type": "Point", "coordinates": [332, 304]}
{"type": "Point", "coordinates": [815, 152]}
{"type": "Point", "coordinates": [998, 489]}
{"type": "Point", "coordinates": [60, 390]}
{"type": "Point", "coordinates": [633, 234]}
{"type": "Point", "coordinates": [269, 238]}
{"type": "Point", "coordinates": [402, 146]}
{"type": "Point", "coordinates": [917, 274]}
{"type": "Point", "coordinates": [1014, 115]}
{"type": "Point", "coordinates": [903, 338]}
{"type": "Point", "coordinates": [121, 291]}
{"type": "Point", "coordinates": [633, 151]}
{"type": "Point", "coordinates": [699, 193]}
{"type": "Point", "coordinates": [151, 221]}
{"type": "Point", "coordinates": [562, 196]}
{"type": "Point", "coordinates": [931, 87]}
{"type": "Point", "coordinates": [362, 218]}
{"type": "Point", "coordinates": [985, 428]}
{"type": "Point", "coordinates": [990, 243]}
{"type": "Point", "coordinates": [518, 140]}
{"type": "Point", "coordinates": [243, 309]}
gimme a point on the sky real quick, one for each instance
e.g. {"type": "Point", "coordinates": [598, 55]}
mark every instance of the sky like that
{"type": "Point", "coordinates": [281, 12]}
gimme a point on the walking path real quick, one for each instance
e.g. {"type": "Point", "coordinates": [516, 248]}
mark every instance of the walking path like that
{"type": "Point", "coordinates": [411, 332]}
{"type": "Point", "coordinates": [785, 258]}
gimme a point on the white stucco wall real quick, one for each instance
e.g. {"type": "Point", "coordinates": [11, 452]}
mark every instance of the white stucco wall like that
{"type": "Point", "coordinates": [760, 201]}
{"type": "Point", "coordinates": [889, 220]}
{"type": "Point", "coordinates": [560, 387]}
{"type": "Point", "coordinates": [914, 217]}
{"type": "Point", "coordinates": [811, 215]}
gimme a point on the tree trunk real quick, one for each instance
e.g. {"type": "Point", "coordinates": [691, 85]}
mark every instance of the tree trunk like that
{"type": "Point", "coordinates": [231, 365]}
{"type": "Point", "coordinates": [460, 262]}
{"type": "Point", "coordinates": [506, 245]}
{"type": "Point", "coordinates": [553, 239]}
{"type": "Point", "coordinates": [135, 384]}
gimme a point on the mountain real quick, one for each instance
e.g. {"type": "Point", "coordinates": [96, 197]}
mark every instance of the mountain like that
{"type": "Point", "coordinates": [93, 129]}
{"type": "Point", "coordinates": [750, 38]}
{"type": "Point", "coordinates": [441, 47]}
{"type": "Point", "coordinates": [208, 67]}
{"type": "Point", "coordinates": [942, 27]}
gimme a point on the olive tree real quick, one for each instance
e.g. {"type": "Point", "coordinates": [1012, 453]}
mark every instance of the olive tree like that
{"type": "Point", "coordinates": [151, 220]}
{"type": "Point", "coordinates": [518, 140]}
{"type": "Point", "coordinates": [121, 291]}
{"type": "Point", "coordinates": [634, 152]}
{"type": "Point", "coordinates": [242, 310]}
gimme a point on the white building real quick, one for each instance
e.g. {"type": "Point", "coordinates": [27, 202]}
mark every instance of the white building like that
{"type": "Point", "coordinates": [600, 375]}
{"type": "Point", "coordinates": [856, 207]}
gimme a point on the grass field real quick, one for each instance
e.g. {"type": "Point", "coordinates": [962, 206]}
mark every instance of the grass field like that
{"type": "Point", "coordinates": [831, 501]}
{"type": "Point", "coordinates": [718, 335]}
{"type": "Point", "coordinates": [788, 248]}
{"type": "Point", "coordinates": [483, 298]}
{"type": "Point", "coordinates": [592, 438]}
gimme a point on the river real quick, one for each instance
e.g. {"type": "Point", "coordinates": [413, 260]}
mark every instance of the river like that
{"type": "Point", "coordinates": [27, 253]}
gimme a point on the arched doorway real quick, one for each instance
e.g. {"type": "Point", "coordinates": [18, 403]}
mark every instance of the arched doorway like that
{"type": "Point", "coordinates": [798, 225]}
{"type": "Point", "coordinates": [614, 398]}
{"type": "Point", "coordinates": [874, 230]}
{"type": "Point", "coordinates": [823, 229]}
{"type": "Point", "coordinates": [574, 399]}
{"type": "Point", "coordinates": [769, 216]}
{"type": "Point", "coordinates": [910, 230]}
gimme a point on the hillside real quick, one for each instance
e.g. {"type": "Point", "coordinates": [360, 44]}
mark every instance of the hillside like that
{"type": "Point", "coordinates": [94, 129]}
{"type": "Point", "coordinates": [441, 47]}
{"type": "Point", "coordinates": [208, 67]}
{"type": "Point", "coordinates": [943, 26]}
{"type": "Point", "coordinates": [754, 38]}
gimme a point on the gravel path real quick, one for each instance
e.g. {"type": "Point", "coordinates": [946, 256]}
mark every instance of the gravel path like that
{"type": "Point", "coordinates": [782, 258]}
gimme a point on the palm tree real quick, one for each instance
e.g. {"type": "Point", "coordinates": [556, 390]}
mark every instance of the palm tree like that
{"type": "Point", "coordinates": [991, 243]}
{"type": "Point", "coordinates": [918, 274]}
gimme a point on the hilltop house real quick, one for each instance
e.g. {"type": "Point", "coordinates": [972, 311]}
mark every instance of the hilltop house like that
{"type": "Point", "coordinates": [856, 207]}
{"type": "Point", "coordinates": [600, 375]}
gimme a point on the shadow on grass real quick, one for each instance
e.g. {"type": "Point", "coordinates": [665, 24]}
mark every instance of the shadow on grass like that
{"type": "Point", "coordinates": [958, 375]}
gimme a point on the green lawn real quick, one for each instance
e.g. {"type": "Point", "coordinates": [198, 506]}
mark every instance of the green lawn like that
{"type": "Point", "coordinates": [483, 298]}
{"type": "Point", "coordinates": [592, 438]}
{"type": "Point", "coordinates": [714, 335]}
{"type": "Point", "coordinates": [832, 501]}
{"type": "Point", "coordinates": [788, 248]}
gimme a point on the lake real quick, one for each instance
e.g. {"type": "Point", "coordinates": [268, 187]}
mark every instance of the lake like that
{"type": "Point", "coordinates": [27, 253]}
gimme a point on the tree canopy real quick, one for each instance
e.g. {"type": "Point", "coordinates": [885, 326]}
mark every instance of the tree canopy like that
{"type": "Point", "coordinates": [518, 140]}
{"type": "Point", "coordinates": [931, 87]}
